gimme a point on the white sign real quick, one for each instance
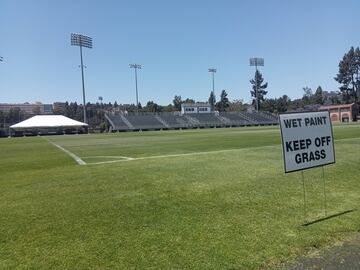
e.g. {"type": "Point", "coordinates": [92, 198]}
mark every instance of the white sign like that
{"type": "Point", "coordinates": [307, 140]}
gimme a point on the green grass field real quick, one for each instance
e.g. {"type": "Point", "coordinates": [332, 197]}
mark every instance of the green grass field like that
{"type": "Point", "coordinates": [192, 199]}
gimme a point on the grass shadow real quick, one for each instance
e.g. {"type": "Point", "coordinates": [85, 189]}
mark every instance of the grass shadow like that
{"type": "Point", "coordinates": [328, 217]}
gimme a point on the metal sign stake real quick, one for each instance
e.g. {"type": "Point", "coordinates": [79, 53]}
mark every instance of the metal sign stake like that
{"type": "Point", "coordinates": [307, 142]}
{"type": "Point", "coordinates": [303, 181]}
{"type": "Point", "coordinates": [325, 202]}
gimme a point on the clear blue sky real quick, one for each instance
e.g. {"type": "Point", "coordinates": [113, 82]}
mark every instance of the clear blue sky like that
{"type": "Point", "coordinates": [175, 42]}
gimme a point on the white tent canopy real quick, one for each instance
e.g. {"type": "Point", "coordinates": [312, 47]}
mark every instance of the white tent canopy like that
{"type": "Point", "coordinates": [48, 121]}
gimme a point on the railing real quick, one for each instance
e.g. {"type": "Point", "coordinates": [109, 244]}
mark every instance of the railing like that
{"type": "Point", "coordinates": [191, 121]}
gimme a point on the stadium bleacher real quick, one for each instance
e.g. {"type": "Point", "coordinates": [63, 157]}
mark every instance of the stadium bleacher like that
{"type": "Point", "coordinates": [201, 120]}
{"type": "Point", "coordinates": [207, 119]}
{"type": "Point", "coordinates": [145, 122]}
{"type": "Point", "coordinates": [117, 122]}
{"type": "Point", "coordinates": [175, 121]}
{"type": "Point", "coordinates": [257, 117]}
{"type": "Point", "coordinates": [269, 116]}
{"type": "Point", "coordinates": [235, 119]}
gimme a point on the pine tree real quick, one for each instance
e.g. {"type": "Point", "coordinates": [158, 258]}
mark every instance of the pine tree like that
{"type": "Point", "coordinates": [177, 102]}
{"type": "Point", "coordinates": [258, 93]}
{"type": "Point", "coordinates": [349, 75]}
{"type": "Point", "coordinates": [223, 104]}
{"type": "Point", "coordinates": [318, 96]}
{"type": "Point", "coordinates": [212, 100]}
{"type": "Point", "coordinates": [307, 96]}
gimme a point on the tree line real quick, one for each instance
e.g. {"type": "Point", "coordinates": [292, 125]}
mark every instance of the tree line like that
{"type": "Point", "coordinates": [348, 77]}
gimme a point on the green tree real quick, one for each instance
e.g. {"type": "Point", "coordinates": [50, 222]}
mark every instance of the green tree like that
{"type": "Point", "coordinates": [332, 97]}
{"type": "Point", "coordinates": [282, 104]}
{"type": "Point", "coordinates": [177, 102]}
{"type": "Point", "coordinates": [151, 106]}
{"type": "Point", "coordinates": [258, 91]}
{"type": "Point", "coordinates": [349, 75]}
{"type": "Point", "coordinates": [36, 110]}
{"type": "Point", "coordinates": [307, 96]}
{"type": "Point", "coordinates": [212, 100]}
{"type": "Point", "coordinates": [276, 105]}
{"type": "Point", "coordinates": [318, 96]}
{"type": "Point", "coordinates": [270, 105]}
{"type": "Point", "coordinates": [170, 108]}
{"type": "Point", "coordinates": [237, 105]}
{"type": "Point", "coordinates": [223, 104]}
{"type": "Point", "coordinates": [71, 110]}
{"type": "Point", "coordinates": [189, 100]}
{"type": "Point", "coordinates": [15, 115]}
{"type": "Point", "coordinates": [2, 119]}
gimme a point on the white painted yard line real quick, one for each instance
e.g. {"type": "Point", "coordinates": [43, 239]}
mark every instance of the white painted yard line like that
{"type": "Point", "coordinates": [75, 157]}
{"type": "Point", "coordinates": [172, 155]}
{"type": "Point", "coordinates": [189, 154]}
{"type": "Point", "coordinates": [117, 157]}
{"type": "Point", "coordinates": [347, 139]}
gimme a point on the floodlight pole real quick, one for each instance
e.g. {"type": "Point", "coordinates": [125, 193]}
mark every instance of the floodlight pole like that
{"type": "Point", "coordinates": [136, 89]}
{"type": "Point", "coordinates": [83, 83]}
{"type": "Point", "coordinates": [256, 90]}
{"type": "Point", "coordinates": [9, 135]}
{"type": "Point", "coordinates": [136, 67]}
{"type": "Point", "coordinates": [256, 62]}
{"type": "Point", "coordinates": [82, 41]}
{"type": "Point", "coordinates": [213, 71]}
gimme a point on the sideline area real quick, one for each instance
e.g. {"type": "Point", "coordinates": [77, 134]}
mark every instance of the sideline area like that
{"type": "Point", "coordinates": [341, 257]}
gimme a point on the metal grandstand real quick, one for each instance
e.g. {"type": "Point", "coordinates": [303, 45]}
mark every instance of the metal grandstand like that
{"type": "Point", "coordinates": [163, 121]}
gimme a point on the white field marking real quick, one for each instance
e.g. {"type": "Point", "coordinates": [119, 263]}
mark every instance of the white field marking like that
{"type": "Point", "coordinates": [75, 157]}
{"type": "Point", "coordinates": [124, 159]}
{"type": "Point", "coordinates": [176, 155]}
{"type": "Point", "coordinates": [347, 139]}
{"type": "Point", "coordinates": [116, 157]}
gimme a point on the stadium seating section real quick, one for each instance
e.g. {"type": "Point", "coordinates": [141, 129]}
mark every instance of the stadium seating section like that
{"type": "Point", "coordinates": [201, 120]}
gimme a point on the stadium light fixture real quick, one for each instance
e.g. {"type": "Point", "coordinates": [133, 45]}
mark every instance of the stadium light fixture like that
{"type": "Point", "coordinates": [1, 58]}
{"type": "Point", "coordinates": [136, 67]}
{"type": "Point", "coordinates": [213, 71]}
{"type": "Point", "coordinates": [82, 41]}
{"type": "Point", "coordinates": [256, 62]}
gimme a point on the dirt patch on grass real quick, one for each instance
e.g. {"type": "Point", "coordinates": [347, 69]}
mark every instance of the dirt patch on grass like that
{"type": "Point", "coordinates": [343, 257]}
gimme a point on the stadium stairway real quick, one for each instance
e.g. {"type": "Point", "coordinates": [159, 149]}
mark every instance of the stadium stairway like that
{"type": "Point", "coordinates": [258, 117]}
{"type": "Point", "coordinates": [247, 118]}
{"type": "Point", "coordinates": [127, 122]}
{"type": "Point", "coordinates": [116, 122]}
{"type": "Point", "coordinates": [145, 122]}
{"type": "Point", "coordinates": [223, 119]}
{"type": "Point", "coordinates": [162, 121]}
{"type": "Point", "coordinates": [111, 122]}
{"type": "Point", "coordinates": [269, 116]}
{"type": "Point", "coordinates": [175, 121]}
{"type": "Point", "coordinates": [192, 120]}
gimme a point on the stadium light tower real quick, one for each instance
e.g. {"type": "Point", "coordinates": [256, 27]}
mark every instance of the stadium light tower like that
{"type": "Point", "coordinates": [82, 41]}
{"type": "Point", "coordinates": [213, 71]}
{"type": "Point", "coordinates": [136, 67]}
{"type": "Point", "coordinates": [256, 62]}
